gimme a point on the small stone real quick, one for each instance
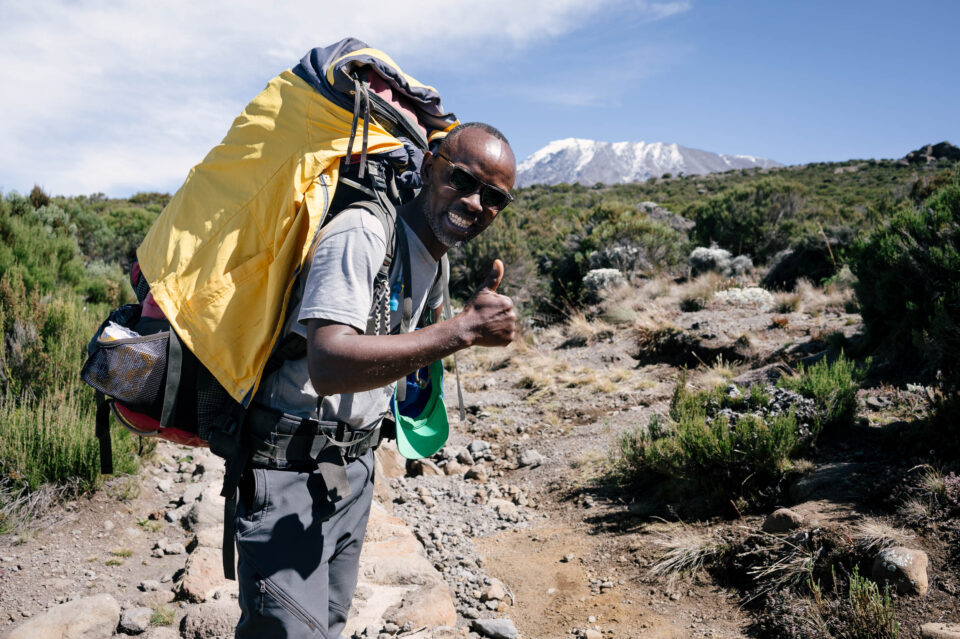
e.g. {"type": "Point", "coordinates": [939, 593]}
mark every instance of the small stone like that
{"type": "Point", "coordinates": [135, 620]}
{"type": "Point", "coordinates": [149, 585]}
{"type": "Point", "coordinates": [165, 485]}
{"type": "Point", "coordinates": [568, 558]}
{"type": "Point", "coordinates": [593, 634]}
{"type": "Point", "coordinates": [493, 604]}
{"type": "Point", "coordinates": [530, 458]}
{"type": "Point", "coordinates": [477, 472]}
{"type": "Point", "coordinates": [168, 547]}
{"type": "Point", "coordinates": [495, 628]}
{"type": "Point", "coordinates": [496, 590]}
{"type": "Point", "coordinates": [471, 613]}
{"type": "Point", "coordinates": [452, 467]}
{"type": "Point", "coordinates": [425, 467]}
{"type": "Point", "coordinates": [782, 520]}
{"type": "Point", "coordinates": [108, 525]}
{"type": "Point", "coordinates": [591, 619]}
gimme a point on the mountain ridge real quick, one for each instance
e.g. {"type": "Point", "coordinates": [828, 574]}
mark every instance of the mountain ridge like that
{"type": "Point", "coordinates": [578, 160]}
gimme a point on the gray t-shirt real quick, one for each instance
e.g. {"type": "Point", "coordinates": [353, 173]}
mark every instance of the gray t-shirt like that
{"type": "Point", "coordinates": [339, 287]}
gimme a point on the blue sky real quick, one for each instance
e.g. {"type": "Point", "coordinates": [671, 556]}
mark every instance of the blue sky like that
{"type": "Point", "coordinates": [125, 96]}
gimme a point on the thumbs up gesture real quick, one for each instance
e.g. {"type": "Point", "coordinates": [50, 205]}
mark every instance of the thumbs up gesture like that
{"type": "Point", "coordinates": [489, 317]}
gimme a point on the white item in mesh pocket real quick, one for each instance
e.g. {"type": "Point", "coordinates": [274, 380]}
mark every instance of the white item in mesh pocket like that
{"type": "Point", "coordinates": [115, 331]}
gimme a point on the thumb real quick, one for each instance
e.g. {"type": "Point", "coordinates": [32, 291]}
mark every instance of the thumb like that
{"type": "Point", "coordinates": [493, 279]}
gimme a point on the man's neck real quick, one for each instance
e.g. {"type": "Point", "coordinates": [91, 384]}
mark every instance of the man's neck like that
{"type": "Point", "coordinates": [412, 214]}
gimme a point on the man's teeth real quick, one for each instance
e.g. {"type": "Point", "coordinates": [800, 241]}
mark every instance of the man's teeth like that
{"type": "Point", "coordinates": [462, 222]}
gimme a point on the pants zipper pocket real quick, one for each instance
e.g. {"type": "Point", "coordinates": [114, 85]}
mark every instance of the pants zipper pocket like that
{"type": "Point", "coordinates": [291, 606]}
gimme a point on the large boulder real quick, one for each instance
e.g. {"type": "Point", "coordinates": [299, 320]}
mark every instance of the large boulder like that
{"type": "Point", "coordinates": [659, 214]}
{"type": "Point", "coordinates": [903, 568]}
{"type": "Point", "coordinates": [211, 621]}
{"type": "Point", "coordinates": [87, 618]}
{"type": "Point", "coordinates": [430, 605]}
{"type": "Point", "coordinates": [717, 260]}
{"type": "Point", "coordinates": [202, 575]}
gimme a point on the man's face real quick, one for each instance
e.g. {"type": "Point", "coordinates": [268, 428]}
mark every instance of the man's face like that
{"type": "Point", "coordinates": [453, 215]}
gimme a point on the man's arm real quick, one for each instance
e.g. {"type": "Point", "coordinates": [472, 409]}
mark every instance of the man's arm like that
{"type": "Point", "coordinates": [342, 360]}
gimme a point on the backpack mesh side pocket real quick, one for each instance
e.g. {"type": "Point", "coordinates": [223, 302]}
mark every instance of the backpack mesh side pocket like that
{"type": "Point", "coordinates": [131, 370]}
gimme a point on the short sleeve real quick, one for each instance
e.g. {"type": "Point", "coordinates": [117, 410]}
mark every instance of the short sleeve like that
{"type": "Point", "coordinates": [339, 285]}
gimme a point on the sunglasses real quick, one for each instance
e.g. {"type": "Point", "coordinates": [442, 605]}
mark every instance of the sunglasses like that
{"type": "Point", "coordinates": [466, 183]}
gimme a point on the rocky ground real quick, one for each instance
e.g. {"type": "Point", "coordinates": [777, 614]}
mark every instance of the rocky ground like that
{"type": "Point", "coordinates": [514, 528]}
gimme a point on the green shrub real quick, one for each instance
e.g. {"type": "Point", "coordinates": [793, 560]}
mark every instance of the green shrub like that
{"type": "Point", "coordinates": [43, 441]}
{"type": "Point", "coordinates": [758, 220]}
{"type": "Point", "coordinates": [706, 454]}
{"type": "Point", "coordinates": [869, 615]}
{"type": "Point", "coordinates": [832, 387]}
{"type": "Point", "coordinates": [908, 285]}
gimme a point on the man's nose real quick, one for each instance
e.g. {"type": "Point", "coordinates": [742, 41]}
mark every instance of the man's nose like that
{"type": "Point", "coordinates": [472, 201]}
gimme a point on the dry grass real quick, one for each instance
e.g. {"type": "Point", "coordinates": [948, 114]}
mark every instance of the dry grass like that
{"type": "Point", "coordinates": [581, 331]}
{"type": "Point", "coordinates": [21, 507]}
{"type": "Point", "coordinates": [791, 567]}
{"type": "Point", "coordinates": [685, 551]}
{"type": "Point", "coordinates": [696, 294]}
{"type": "Point", "coordinates": [915, 511]}
{"type": "Point", "coordinates": [717, 374]}
{"type": "Point", "coordinates": [871, 535]}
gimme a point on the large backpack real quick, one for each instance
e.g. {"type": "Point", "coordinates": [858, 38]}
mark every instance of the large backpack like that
{"type": "Point", "coordinates": [217, 268]}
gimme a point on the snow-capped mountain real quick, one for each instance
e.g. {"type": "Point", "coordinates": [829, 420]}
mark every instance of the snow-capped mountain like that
{"type": "Point", "coordinates": [588, 162]}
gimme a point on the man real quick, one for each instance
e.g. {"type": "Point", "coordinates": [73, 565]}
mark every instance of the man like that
{"type": "Point", "coordinates": [299, 538]}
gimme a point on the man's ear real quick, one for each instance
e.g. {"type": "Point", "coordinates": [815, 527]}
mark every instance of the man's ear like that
{"type": "Point", "coordinates": [426, 168]}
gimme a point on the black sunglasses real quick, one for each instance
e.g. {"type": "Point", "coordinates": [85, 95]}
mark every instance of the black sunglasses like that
{"type": "Point", "coordinates": [465, 182]}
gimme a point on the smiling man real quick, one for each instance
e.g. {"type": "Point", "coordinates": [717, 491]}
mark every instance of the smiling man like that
{"type": "Point", "coordinates": [298, 536]}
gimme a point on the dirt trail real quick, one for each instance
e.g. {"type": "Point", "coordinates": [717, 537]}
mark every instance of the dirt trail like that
{"type": "Point", "coordinates": [575, 563]}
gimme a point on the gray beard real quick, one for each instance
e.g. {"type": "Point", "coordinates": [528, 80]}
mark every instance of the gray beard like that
{"type": "Point", "coordinates": [436, 225]}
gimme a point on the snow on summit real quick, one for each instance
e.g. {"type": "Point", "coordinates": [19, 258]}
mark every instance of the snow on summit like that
{"type": "Point", "coordinates": [588, 162]}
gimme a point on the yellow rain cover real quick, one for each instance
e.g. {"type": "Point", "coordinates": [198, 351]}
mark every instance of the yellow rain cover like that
{"type": "Point", "coordinates": [222, 258]}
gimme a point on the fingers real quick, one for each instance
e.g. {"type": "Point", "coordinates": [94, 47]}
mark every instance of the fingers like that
{"type": "Point", "coordinates": [494, 277]}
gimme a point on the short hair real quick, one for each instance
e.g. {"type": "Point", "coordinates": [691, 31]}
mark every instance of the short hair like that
{"type": "Point", "coordinates": [456, 131]}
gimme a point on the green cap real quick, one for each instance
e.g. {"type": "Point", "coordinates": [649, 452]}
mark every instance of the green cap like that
{"type": "Point", "coordinates": [425, 434]}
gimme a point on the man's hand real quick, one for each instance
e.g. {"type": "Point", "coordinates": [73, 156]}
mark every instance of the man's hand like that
{"type": "Point", "coordinates": [489, 318]}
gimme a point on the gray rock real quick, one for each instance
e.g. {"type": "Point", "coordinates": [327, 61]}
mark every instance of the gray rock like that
{"type": "Point", "coordinates": [658, 213]}
{"type": "Point", "coordinates": [149, 585]}
{"type": "Point", "coordinates": [782, 520]}
{"type": "Point", "coordinates": [168, 547]}
{"type": "Point", "coordinates": [478, 447]}
{"type": "Point", "coordinates": [903, 568]}
{"type": "Point", "coordinates": [530, 458]}
{"type": "Point", "coordinates": [829, 481]}
{"type": "Point", "coordinates": [192, 493]}
{"type": "Point", "coordinates": [495, 628]}
{"type": "Point", "coordinates": [165, 485]}
{"type": "Point", "coordinates": [602, 279]}
{"type": "Point", "coordinates": [87, 618]}
{"type": "Point", "coordinates": [211, 621]}
{"type": "Point", "coordinates": [133, 621]}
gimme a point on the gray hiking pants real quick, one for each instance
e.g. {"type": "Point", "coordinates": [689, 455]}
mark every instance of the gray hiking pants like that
{"type": "Point", "coordinates": [298, 553]}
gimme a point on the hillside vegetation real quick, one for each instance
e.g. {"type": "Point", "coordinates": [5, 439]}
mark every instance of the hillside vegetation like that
{"type": "Point", "coordinates": [63, 265]}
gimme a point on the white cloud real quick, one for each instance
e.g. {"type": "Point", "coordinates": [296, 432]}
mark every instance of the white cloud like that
{"type": "Point", "coordinates": [117, 96]}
